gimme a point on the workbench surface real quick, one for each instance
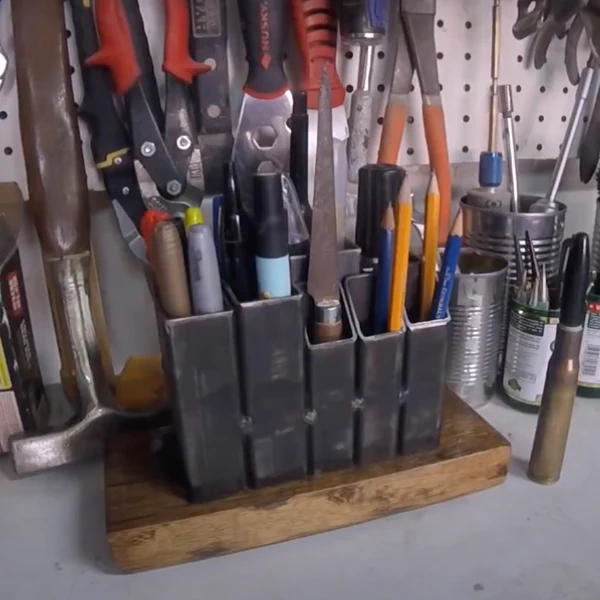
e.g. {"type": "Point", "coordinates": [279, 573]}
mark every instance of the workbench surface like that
{"type": "Point", "coordinates": [517, 541]}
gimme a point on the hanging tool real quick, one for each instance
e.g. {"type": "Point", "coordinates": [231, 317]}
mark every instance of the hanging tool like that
{"type": "Point", "coordinates": [109, 138]}
{"type": "Point", "coordinates": [168, 165]}
{"type": "Point", "coordinates": [262, 133]}
{"type": "Point", "coordinates": [362, 23]}
{"type": "Point", "coordinates": [299, 144]}
{"type": "Point", "coordinates": [530, 16]}
{"type": "Point", "coordinates": [211, 91]}
{"type": "Point", "coordinates": [315, 25]}
{"type": "Point", "coordinates": [548, 204]}
{"type": "Point", "coordinates": [556, 408]}
{"type": "Point", "coordinates": [510, 145]}
{"type": "Point", "coordinates": [58, 199]}
{"type": "Point", "coordinates": [417, 51]}
{"type": "Point", "coordinates": [323, 283]}
{"type": "Point", "coordinates": [490, 162]}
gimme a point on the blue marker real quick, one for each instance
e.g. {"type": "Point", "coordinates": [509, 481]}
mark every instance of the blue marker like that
{"type": "Point", "coordinates": [271, 237]}
{"type": "Point", "coordinates": [443, 290]}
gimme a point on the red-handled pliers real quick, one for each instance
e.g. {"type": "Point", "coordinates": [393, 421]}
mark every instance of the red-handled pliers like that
{"type": "Point", "coordinates": [168, 165]}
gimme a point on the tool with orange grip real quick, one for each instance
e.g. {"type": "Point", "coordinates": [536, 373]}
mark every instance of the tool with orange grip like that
{"type": "Point", "coordinates": [262, 133]}
{"type": "Point", "coordinates": [316, 27]}
{"type": "Point", "coordinates": [417, 52]}
{"type": "Point", "coordinates": [167, 159]}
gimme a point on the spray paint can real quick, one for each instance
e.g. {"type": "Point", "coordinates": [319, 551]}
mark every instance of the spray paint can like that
{"type": "Point", "coordinates": [588, 384]}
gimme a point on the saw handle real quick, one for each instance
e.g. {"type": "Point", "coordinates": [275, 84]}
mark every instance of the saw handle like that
{"type": "Point", "coordinates": [264, 26]}
{"type": "Point", "coordinates": [315, 24]}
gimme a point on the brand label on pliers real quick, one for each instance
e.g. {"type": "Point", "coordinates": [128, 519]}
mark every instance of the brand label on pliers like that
{"type": "Point", "coordinates": [206, 18]}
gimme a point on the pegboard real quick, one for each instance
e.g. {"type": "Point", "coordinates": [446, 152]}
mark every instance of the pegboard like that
{"type": "Point", "coordinates": [543, 99]}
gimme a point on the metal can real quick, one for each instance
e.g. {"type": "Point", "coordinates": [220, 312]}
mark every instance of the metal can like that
{"type": "Point", "coordinates": [477, 309]}
{"type": "Point", "coordinates": [530, 343]}
{"type": "Point", "coordinates": [589, 358]}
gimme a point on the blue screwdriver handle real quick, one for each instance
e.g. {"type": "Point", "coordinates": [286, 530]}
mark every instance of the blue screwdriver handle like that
{"type": "Point", "coordinates": [363, 20]}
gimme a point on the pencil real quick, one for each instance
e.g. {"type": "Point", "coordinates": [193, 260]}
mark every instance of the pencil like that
{"type": "Point", "coordinates": [443, 290]}
{"type": "Point", "coordinates": [403, 219]}
{"type": "Point", "coordinates": [430, 246]}
{"type": "Point", "coordinates": [384, 271]}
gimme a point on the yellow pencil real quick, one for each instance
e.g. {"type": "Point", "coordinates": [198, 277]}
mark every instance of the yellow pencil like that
{"type": "Point", "coordinates": [403, 218]}
{"type": "Point", "coordinates": [430, 246]}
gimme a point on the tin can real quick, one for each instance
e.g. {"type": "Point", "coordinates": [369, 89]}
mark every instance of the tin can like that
{"type": "Point", "coordinates": [530, 343]}
{"type": "Point", "coordinates": [589, 358]}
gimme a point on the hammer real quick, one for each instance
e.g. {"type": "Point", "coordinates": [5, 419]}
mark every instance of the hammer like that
{"type": "Point", "coordinates": [58, 197]}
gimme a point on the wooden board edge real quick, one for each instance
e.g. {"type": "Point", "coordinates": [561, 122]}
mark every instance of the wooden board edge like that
{"type": "Point", "coordinates": [215, 534]}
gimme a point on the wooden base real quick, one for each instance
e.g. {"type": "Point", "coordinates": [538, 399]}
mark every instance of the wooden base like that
{"type": "Point", "coordinates": [150, 525]}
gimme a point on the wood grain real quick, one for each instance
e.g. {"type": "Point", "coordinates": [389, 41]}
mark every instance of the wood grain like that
{"type": "Point", "coordinates": [150, 525]}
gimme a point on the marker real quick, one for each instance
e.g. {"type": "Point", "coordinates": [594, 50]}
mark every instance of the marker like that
{"type": "Point", "coordinates": [443, 291]}
{"type": "Point", "coordinates": [271, 230]}
{"type": "Point", "coordinates": [205, 281]}
{"type": "Point", "coordinates": [384, 271]}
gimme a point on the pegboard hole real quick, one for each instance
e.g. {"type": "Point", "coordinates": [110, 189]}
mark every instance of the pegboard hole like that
{"type": "Point", "coordinates": [349, 88]}
{"type": "Point", "coordinates": [441, 87]}
{"type": "Point", "coordinates": [539, 147]}
{"type": "Point", "coordinates": [563, 119]}
{"type": "Point", "coordinates": [565, 90]}
{"type": "Point", "coordinates": [412, 87]}
{"type": "Point", "coordinates": [520, 58]}
{"type": "Point", "coordinates": [69, 34]}
{"type": "Point", "coordinates": [467, 87]}
{"type": "Point", "coordinates": [586, 119]}
{"type": "Point", "coordinates": [466, 118]}
{"type": "Point", "coordinates": [410, 151]}
{"type": "Point", "coordinates": [468, 56]}
{"type": "Point", "coordinates": [349, 55]}
{"type": "Point", "coordinates": [468, 24]}
{"type": "Point", "coordinates": [518, 88]}
{"type": "Point", "coordinates": [381, 87]}
{"type": "Point", "coordinates": [71, 69]}
{"type": "Point", "coordinates": [381, 55]}
{"type": "Point", "coordinates": [465, 149]}
{"type": "Point", "coordinates": [440, 23]}
{"type": "Point", "coordinates": [410, 120]}
{"type": "Point", "coordinates": [379, 120]}
{"type": "Point", "coordinates": [440, 55]}
{"type": "Point", "coordinates": [543, 89]}
{"type": "Point", "coordinates": [517, 118]}
{"type": "Point", "coordinates": [541, 118]}
{"type": "Point", "coordinates": [517, 147]}
{"type": "Point", "coordinates": [8, 150]}
{"type": "Point", "coordinates": [3, 115]}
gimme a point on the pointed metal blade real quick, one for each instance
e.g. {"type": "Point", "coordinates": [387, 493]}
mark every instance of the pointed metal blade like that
{"type": "Point", "coordinates": [323, 265]}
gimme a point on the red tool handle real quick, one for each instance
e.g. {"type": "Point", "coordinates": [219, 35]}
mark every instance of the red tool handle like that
{"type": "Point", "coordinates": [315, 24]}
{"type": "Point", "coordinates": [177, 60]}
{"type": "Point", "coordinates": [116, 51]}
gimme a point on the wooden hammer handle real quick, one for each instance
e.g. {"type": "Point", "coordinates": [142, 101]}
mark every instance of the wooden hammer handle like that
{"type": "Point", "coordinates": [49, 128]}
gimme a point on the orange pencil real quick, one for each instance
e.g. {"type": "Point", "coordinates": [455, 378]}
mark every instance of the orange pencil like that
{"type": "Point", "coordinates": [430, 246]}
{"type": "Point", "coordinates": [403, 218]}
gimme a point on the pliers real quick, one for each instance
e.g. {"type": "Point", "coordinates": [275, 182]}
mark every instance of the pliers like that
{"type": "Point", "coordinates": [167, 159]}
{"type": "Point", "coordinates": [417, 52]}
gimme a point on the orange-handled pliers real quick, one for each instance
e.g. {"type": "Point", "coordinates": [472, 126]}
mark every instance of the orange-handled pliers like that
{"type": "Point", "coordinates": [417, 52]}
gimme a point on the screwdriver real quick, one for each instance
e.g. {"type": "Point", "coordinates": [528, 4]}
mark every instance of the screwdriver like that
{"type": "Point", "coordinates": [362, 23]}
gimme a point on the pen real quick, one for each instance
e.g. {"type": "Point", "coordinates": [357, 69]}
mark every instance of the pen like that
{"type": "Point", "coordinates": [384, 271]}
{"type": "Point", "coordinates": [271, 231]}
{"type": "Point", "coordinates": [430, 246]}
{"type": "Point", "coordinates": [403, 220]}
{"type": "Point", "coordinates": [443, 290]}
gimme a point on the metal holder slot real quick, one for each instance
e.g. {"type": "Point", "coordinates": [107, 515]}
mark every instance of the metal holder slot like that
{"type": "Point", "coordinates": [271, 354]}
{"type": "Point", "coordinates": [200, 359]}
{"type": "Point", "coordinates": [330, 372]}
{"type": "Point", "coordinates": [348, 262]}
{"type": "Point", "coordinates": [379, 377]}
{"type": "Point", "coordinates": [426, 349]}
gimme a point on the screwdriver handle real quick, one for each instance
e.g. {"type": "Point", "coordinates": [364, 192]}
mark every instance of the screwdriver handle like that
{"type": "Point", "coordinates": [363, 20]}
{"type": "Point", "coordinates": [264, 27]}
{"type": "Point", "coordinates": [209, 40]}
{"type": "Point", "coordinates": [315, 24]}
{"type": "Point", "coordinates": [177, 59]}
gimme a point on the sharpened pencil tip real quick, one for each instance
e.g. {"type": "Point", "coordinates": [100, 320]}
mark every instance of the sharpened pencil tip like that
{"type": "Point", "coordinates": [404, 194]}
{"type": "Point", "coordinates": [457, 224]}
{"type": "Point", "coordinates": [433, 189]}
{"type": "Point", "coordinates": [387, 220]}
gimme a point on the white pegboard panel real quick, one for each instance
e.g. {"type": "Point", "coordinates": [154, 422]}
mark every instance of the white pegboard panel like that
{"type": "Point", "coordinates": [543, 99]}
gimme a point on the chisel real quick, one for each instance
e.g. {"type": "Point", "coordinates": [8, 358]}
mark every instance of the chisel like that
{"type": "Point", "coordinates": [208, 45]}
{"type": "Point", "coordinates": [315, 25]}
{"type": "Point", "coordinates": [262, 133]}
{"type": "Point", "coordinates": [109, 142]}
{"type": "Point", "coordinates": [362, 23]}
{"type": "Point", "coordinates": [323, 282]}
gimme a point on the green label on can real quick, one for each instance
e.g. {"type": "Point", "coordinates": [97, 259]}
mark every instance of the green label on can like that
{"type": "Point", "coordinates": [589, 357]}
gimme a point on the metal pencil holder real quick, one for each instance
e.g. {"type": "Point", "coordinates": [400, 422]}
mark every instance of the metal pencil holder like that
{"type": "Point", "coordinates": [426, 349]}
{"type": "Point", "coordinates": [271, 355]}
{"type": "Point", "coordinates": [330, 387]}
{"type": "Point", "coordinates": [380, 361]}
{"type": "Point", "coordinates": [200, 363]}
{"type": "Point", "coordinates": [348, 262]}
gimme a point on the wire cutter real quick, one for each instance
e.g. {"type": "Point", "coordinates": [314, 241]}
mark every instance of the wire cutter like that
{"type": "Point", "coordinates": [417, 52]}
{"type": "Point", "coordinates": [167, 158]}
